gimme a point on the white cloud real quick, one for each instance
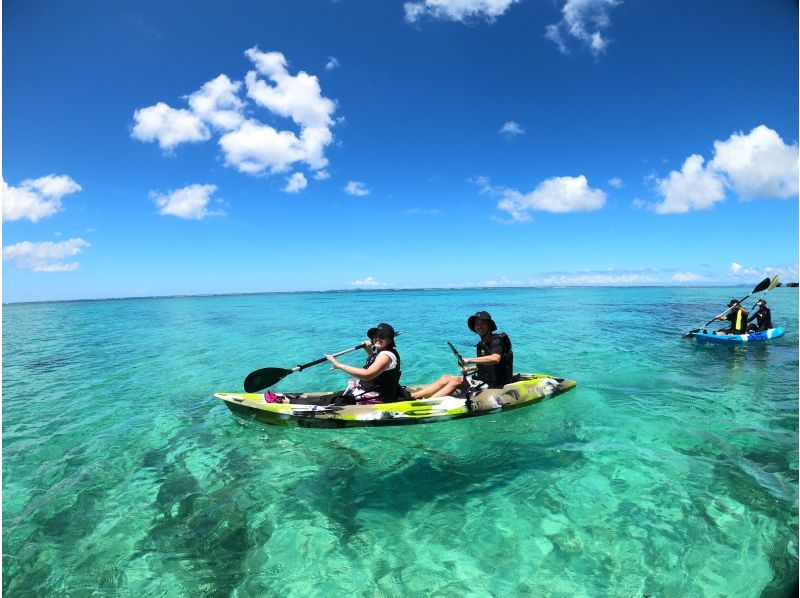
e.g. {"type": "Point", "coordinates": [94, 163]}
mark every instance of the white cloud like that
{"type": "Point", "coordinates": [596, 278]}
{"type": "Point", "coordinates": [511, 129]}
{"type": "Point", "coordinates": [255, 148]}
{"type": "Point", "coordinates": [788, 273]}
{"type": "Point", "coordinates": [456, 10]}
{"type": "Point", "coordinates": [322, 175]}
{"type": "Point", "coordinates": [616, 182]}
{"type": "Point", "coordinates": [331, 64]}
{"type": "Point", "coordinates": [189, 203]}
{"type": "Point", "coordinates": [217, 103]}
{"type": "Point", "coordinates": [296, 183]}
{"type": "Point", "coordinates": [45, 256]}
{"type": "Point", "coordinates": [168, 126]}
{"type": "Point", "coordinates": [368, 282]}
{"type": "Point", "coordinates": [584, 21]}
{"type": "Point", "coordinates": [38, 198]}
{"type": "Point", "coordinates": [686, 277]}
{"type": "Point", "coordinates": [298, 97]}
{"type": "Point", "coordinates": [758, 165]}
{"type": "Point", "coordinates": [693, 188]}
{"type": "Point", "coordinates": [503, 282]}
{"type": "Point", "coordinates": [356, 188]}
{"type": "Point", "coordinates": [246, 143]}
{"type": "Point", "coordinates": [556, 195]}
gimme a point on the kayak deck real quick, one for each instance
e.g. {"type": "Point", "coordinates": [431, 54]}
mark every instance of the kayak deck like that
{"type": "Point", "coordinates": [524, 390]}
{"type": "Point", "coordinates": [738, 339]}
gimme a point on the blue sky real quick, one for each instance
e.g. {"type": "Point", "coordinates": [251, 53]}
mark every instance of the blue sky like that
{"type": "Point", "coordinates": [155, 148]}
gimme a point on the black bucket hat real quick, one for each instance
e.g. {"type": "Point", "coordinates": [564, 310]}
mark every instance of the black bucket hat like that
{"type": "Point", "coordinates": [382, 327]}
{"type": "Point", "coordinates": [481, 315]}
{"type": "Point", "coordinates": [733, 302]}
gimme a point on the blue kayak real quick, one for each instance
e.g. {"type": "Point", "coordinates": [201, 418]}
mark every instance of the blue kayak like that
{"type": "Point", "coordinates": [738, 339]}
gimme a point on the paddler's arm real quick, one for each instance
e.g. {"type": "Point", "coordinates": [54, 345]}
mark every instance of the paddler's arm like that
{"type": "Point", "coordinates": [368, 347]}
{"type": "Point", "coordinates": [380, 364]}
{"type": "Point", "coordinates": [486, 359]}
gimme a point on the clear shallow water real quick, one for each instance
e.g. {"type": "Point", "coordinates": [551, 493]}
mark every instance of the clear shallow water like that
{"type": "Point", "coordinates": [671, 470]}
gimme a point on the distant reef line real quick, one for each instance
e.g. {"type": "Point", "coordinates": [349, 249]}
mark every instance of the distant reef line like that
{"type": "Point", "coordinates": [388, 290]}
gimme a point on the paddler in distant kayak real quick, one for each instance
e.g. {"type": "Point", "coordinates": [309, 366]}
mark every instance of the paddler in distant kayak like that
{"type": "Point", "coordinates": [737, 316]}
{"type": "Point", "coordinates": [763, 318]}
{"type": "Point", "coordinates": [379, 380]}
{"type": "Point", "coordinates": [493, 364]}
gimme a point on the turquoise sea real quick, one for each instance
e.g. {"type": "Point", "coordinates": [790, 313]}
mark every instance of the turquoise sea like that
{"type": "Point", "coordinates": [671, 470]}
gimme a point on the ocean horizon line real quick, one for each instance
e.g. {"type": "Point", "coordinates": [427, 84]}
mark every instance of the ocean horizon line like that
{"type": "Point", "coordinates": [383, 290]}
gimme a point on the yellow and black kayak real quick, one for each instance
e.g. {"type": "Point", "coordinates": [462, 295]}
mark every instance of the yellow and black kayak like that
{"type": "Point", "coordinates": [302, 409]}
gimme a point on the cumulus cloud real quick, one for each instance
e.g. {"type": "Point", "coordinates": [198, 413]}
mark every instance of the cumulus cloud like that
{"type": "Point", "coordinates": [356, 188]}
{"type": "Point", "coordinates": [218, 104]}
{"type": "Point", "coordinates": [511, 129]}
{"type": "Point", "coordinates": [322, 175]}
{"type": "Point", "coordinates": [754, 165]}
{"type": "Point", "coordinates": [296, 183]}
{"type": "Point", "coordinates": [686, 277]}
{"type": "Point", "coordinates": [189, 203]}
{"type": "Point", "coordinates": [456, 10]}
{"type": "Point", "coordinates": [169, 126]}
{"type": "Point", "coordinates": [695, 187]}
{"type": "Point", "coordinates": [616, 182]}
{"type": "Point", "coordinates": [583, 21]}
{"type": "Point", "coordinates": [556, 195]}
{"type": "Point", "coordinates": [758, 165]}
{"type": "Point", "coordinates": [368, 282]}
{"type": "Point", "coordinates": [788, 272]}
{"type": "Point", "coordinates": [331, 64]}
{"type": "Point", "coordinates": [248, 144]}
{"type": "Point", "coordinates": [35, 199]}
{"type": "Point", "coordinates": [45, 256]}
{"type": "Point", "coordinates": [254, 148]}
{"type": "Point", "coordinates": [596, 278]}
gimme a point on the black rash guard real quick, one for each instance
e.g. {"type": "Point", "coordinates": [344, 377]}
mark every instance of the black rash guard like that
{"type": "Point", "coordinates": [763, 318]}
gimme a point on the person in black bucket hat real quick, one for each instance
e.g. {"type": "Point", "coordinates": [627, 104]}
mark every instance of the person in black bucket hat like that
{"type": "Point", "coordinates": [493, 364]}
{"type": "Point", "coordinates": [379, 380]}
{"type": "Point", "coordinates": [737, 316]}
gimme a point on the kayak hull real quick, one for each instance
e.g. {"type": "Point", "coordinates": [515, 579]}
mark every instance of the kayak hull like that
{"type": "Point", "coordinates": [524, 390]}
{"type": "Point", "coordinates": [739, 339]}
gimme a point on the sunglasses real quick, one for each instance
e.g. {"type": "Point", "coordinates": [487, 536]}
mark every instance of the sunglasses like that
{"type": "Point", "coordinates": [380, 335]}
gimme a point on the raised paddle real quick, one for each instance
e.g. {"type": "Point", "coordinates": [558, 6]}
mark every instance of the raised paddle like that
{"type": "Point", "coordinates": [759, 287]}
{"type": "Point", "coordinates": [265, 377]}
{"type": "Point", "coordinates": [776, 281]}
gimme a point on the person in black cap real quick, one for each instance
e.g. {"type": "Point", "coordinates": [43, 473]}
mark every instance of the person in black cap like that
{"type": "Point", "coordinates": [493, 364]}
{"type": "Point", "coordinates": [379, 380]}
{"type": "Point", "coordinates": [763, 318]}
{"type": "Point", "coordinates": [737, 316]}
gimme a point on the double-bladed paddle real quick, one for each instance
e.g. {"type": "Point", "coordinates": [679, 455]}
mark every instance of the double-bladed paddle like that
{"type": "Point", "coordinates": [775, 282]}
{"type": "Point", "coordinates": [265, 377]}
{"type": "Point", "coordinates": [759, 287]}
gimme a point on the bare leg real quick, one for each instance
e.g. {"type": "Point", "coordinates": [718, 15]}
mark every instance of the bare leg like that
{"type": "Point", "coordinates": [449, 388]}
{"type": "Point", "coordinates": [428, 391]}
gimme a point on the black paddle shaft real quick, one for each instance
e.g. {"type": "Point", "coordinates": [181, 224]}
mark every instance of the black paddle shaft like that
{"type": "Point", "coordinates": [297, 368]}
{"type": "Point", "coordinates": [261, 379]}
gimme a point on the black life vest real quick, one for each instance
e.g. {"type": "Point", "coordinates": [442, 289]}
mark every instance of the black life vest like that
{"type": "Point", "coordinates": [501, 373]}
{"type": "Point", "coordinates": [387, 382]}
